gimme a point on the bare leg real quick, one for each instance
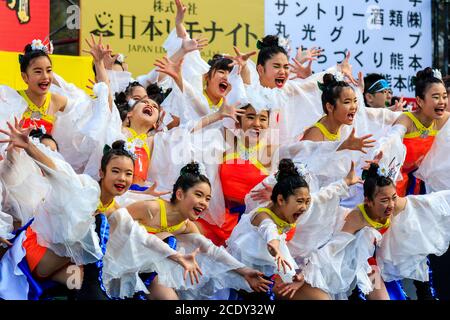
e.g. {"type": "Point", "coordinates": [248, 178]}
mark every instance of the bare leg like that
{"type": "Point", "coordinates": [380, 293]}
{"type": "Point", "coordinates": [50, 264]}
{"type": "Point", "coordinates": [159, 292]}
{"type": "Point", "coordinates": [306, 292]}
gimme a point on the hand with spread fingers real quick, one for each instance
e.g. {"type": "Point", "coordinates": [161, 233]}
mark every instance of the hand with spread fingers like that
{"type": "Point", "coordinates": [97, 50]}
{"type": "Point", "coordinates": [230, 111]}
{"type": "Point", "coordinates": [263, 194]}
{"type": "Point", "coordinates": [308, 54]}
{"type": "Point", "coordinates": [189, 45]}
{"type": "Point", "coordinates": [300, 71]}
{"type": "Point", "coordinates": [357, 143]}
{"type": "Point", "coordinates": [179, 19]}
{"type": "Point", "coordinates": [274, 249]}
{"type": "Point", "coordinates": [240, 59]}
{"type": "Point", "coordinates": [346, 68]}
{"type": "Point", "coordinates": [190, 266]}
{"type": "Point", "coordinates": [255, 279]}
{"type": "Point", "coordinates": [17, 136]}
{"type": "Point", "coordinates": [289, 289]}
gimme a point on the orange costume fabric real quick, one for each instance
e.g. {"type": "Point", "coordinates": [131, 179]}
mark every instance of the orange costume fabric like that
{"type": "Point", "coordinates": [238, 177]}
{"type": "Point", "coordinates": [34, 251]}
{"type": "Point", "coordinates": [37, 116]}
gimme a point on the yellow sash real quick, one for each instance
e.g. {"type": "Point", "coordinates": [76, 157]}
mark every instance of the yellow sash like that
{"type": "Point", "coordinates": [422, 130]}
{"type": "Point", "coordinates": [327, 134]}
{"type": "Point", "coordinates": [211, 104]}
{"type": "Point", "coordinates": [36, 112]}
{"type": "Point", "coordinates": [164, 227]}
{"type": "Point", "coordinates": [373, 223]}
{"type": "Point", "coordinates": [282, 225]}
{"type": "Point", "coordinates": [247, 154]}
{"type": "Point", "coordinates": [141, 137]}
{"type": "Point", "coordinates": [102, 208]}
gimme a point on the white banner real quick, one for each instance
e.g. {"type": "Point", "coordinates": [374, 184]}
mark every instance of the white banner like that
{"type": "Point", "coordinates": [384, 36]}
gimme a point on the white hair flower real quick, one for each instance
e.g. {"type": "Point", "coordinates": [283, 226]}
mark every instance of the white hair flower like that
{"type": "Point", "coordinates": [121, 58]}
{"type": "Point", "coordinates": [130, 148]}
{"type": "Point", "coordinates": [437, 74]}
{"type": "Point", "coordinates": [202, 169]}
{"type": "Point", "coordinates": [339, 76]}
{"type": "Point", "coordinates": [284, 43]}
{"type": "Point", "coordinates": [43, 129]}
{"type": "Point", "coordinates": [37, 44]}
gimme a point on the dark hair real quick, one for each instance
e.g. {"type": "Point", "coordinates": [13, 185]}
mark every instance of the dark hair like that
{"type": "Point", "coordinates": [372, 180]}
{"type": "Point", "coordinates": [446, 80]}
{"type": "Point", "coordinates": [116, 150]}
{"type": "Point", "coordinates": [189, 177]}
{"type": "Point", "coordinates": [268, 47]}
{"type": "Point", "coordinates": [423, 80]}
{"type": "Point", "coordinates": [37, 133]}
{"type": "Point", "coordinates": [219, 62]}
{"type": "Point", "coordinates": [121, 99]}
{"type": "Point", "coordinates": [331, 90]}
{"type": "Point", "coordinates": [157, 94]}
{"type": "Point", "coordinates": [29, 55]}
{"type": "Point", "coordinates": [288, 180]}
{"type": "Point", "coordinates": [370, 79]}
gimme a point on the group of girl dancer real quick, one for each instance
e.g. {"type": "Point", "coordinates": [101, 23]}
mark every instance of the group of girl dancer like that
{"type": "Point", "coordinates": [219, 180]}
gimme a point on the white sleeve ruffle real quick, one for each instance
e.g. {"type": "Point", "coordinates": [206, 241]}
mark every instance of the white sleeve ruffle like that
{"type": "Point", "coordinates": [11, 105]}
{"type": "Point", "coordinates": [118, 80]}
{"type": "Point", "coordinates": [248, 246]}
{"type": "Point", "coordinates": [423, 228]}
{"type": "Point", "coordinates": [64, 221]}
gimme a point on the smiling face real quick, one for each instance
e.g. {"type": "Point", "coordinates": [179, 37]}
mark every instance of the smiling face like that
{"type": "Point", "coordinates": [194, 201]}
{"type": "Point", "coordinates": [145, 112]}
{"type": "Point", "coordinates": [118, 176]}
{"type": "Point", "coordinates": [275, 71]}
{"type": "Point", "coordinates": [38, 75]}
{"type": "Point", "coordinates": [346, 107]}
{"type": "Point", "coordinates": [435, 101]}
{"type": "Point", "coordinates": [217, 85]}
{"type": "Point", "coordinates": [383, 203]}
{"type": "Point", "coordinates": [295, 205]}
{"type": "Point", "coordinates": [252, 122]}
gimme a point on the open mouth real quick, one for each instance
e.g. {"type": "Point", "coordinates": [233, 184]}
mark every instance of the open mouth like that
{"type": "Point", "coordinates": [119, 187]}
{"type": "Point", "coordinates": [351, 116]}
{"type": "Point", "coordinates": [223, 86]}
{"type": "Point", "coordinates": [439, 111]}
{"type": "Point", "coordinates": [297, 215]}
{"type": "Point", "coordinates": [198, 210]}
{"type": "Point", "coordinates": [147, 111]}
{"type": "Point", "coordinates": [388, 211]}
{"type": "Point", "coordinates": [279, 82]}
{"type": "Point", "coordinates": [44, 85]}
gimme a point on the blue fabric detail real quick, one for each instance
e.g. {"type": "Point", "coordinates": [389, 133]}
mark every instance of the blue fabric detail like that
{"type": "Point", "coordinates": [104, 237]}
{"type": "Point", "coordinates": [395, 290]}
{"type": "Point", "coordinates": [270, 292]}
{"type": "Point", "coordinates": [136, 187]}
{"type": "Point", "coordinates": [430, 281]}
{"type": "Point", "coordinates": [238, 209]}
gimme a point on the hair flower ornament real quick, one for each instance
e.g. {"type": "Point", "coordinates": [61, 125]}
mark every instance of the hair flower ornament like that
{"type": "Point", "coordinates": [121, 58]}
{"type": "Point", "coordinates": [38, 44]}
{"type": "Point", "coordinates": [339, 76]}
{"type": "Point", "coordinates": [284, 43]}
{"type": "Point", "coordinates": [437, 74]}
{"type": "Point", "coordinates": [130, 149]}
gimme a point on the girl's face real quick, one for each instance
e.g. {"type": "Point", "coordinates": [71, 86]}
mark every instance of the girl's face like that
{"type": "Point", "coordinates": [252, 123]}
{"type": "Point", "coordinates": [346, 107]}
{"type": "Point", "coordinates": [194, 201]}
{"type": "Point", "coordinates": [218, 85]}
{"type": "Point", "coordinates": [145, 111]}
{"type": "Point", "coordinates": [295, 205]}
{"type": "Point", "coordinates": [275, 71]}
{"type": "Point", "coordinates": [435, 101]}
{"type": "Point", "coordinates": [117, 178]}
{"type": "Point", "coordinates": [384, 201]}
{"type": "Point", "coordinates": [39, 75]}
{"type": "Point", "coordinates": [138, 93]}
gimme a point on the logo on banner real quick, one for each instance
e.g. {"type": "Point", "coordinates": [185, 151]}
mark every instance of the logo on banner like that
{"type": "Point", "coordinates": [22, 8]}
{"type": "Point", "coordinates": [104, 24]}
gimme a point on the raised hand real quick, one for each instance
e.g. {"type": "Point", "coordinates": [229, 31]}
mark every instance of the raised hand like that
{"type": "Point", "coordinates": [263, 194]}
{"type": "Point", "coordinates": [308, 54]}
{"type": "Point", "coordinates": [274, 250]}
{"type": "Point", "coordinates": [351, 177]}
{"type": "Point", "coordinates": [152, 191]}
{"type": "Point", "coordinates": [179, 19]}
{"type": "Point", "coordinates": [167, 66]}
{"type": "Point", "coordinates": [399, 105]}
{"type": "Point", "coordinates": [230, 111]}
{"type": "Point", "coordinates": [97, 49]}
{"type": "Point", "coordinates": [240, 59]}
{"type": "Point", "coordinates": [255, 279]}
{"type": "Point", "coordinates": [190, 266]}
{"type": "Point", "coordinates": [109, 59]}
{"type": "Point", "coordinates": [18, 137]}
{"type": "Point", "coordinates": [4, 241]}
{"type": "Point", "coordinates": [360, 82]}
{"type": "Point", "coordinates": [290, 289]}
{"type": "Point", "coordinates": [189, 45]}
{"type": "Point", "coordinates": [346, 69]}
{"type": "Point", "coordinates": [375, 160]}
{"type": "Point", "coordinates": [299, 70]}
{"type": "Point", "coordinates": [358, 144]}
